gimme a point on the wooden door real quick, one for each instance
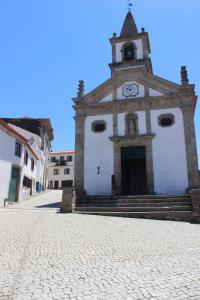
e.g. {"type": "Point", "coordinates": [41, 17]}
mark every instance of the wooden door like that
{"type": "Point", "coordinates": [56, 185]}
{"type": "Point", "coordinates": [134, 177]}
{"type": "Point", "coordinates": [14, 185]}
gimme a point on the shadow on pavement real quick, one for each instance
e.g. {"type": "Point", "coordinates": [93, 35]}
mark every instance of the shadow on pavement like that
{"type": "Point", "coordinates": [51, 205]}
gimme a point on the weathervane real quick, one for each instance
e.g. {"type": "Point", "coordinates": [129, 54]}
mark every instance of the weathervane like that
{"type": "Point", "coordinates": [130, 4]}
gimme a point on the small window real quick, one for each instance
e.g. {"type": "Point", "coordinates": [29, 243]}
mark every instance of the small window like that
{"type": "Point", "coordinates": [69, 158]}
{"type": "Point", "coordinates": [166, 120]}
{"type": "Point", "coordinates": [99, 126]}
{"type": "Point", "coordinates": [67, 171]}
{"type": "Point", "coordinates": [26, 182]}
{"type": "Point", "coordinates": [18, 149]}
{"type": "Point", "coordinates": [53, 159]}
{"type": "Point", "coordinates": [26, 158]}
{"type": "Point", "coordinates": [56, 171]}
{"type": "Point", "coordinates": [32, 164]}
{"type": "Point", "coordinates": [62, 158]}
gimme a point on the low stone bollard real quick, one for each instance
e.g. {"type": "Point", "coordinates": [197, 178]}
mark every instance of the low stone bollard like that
{"type": "Point", "coordinates": [195, 197]}
{"type": "Point", "coordinates": [68, 200]}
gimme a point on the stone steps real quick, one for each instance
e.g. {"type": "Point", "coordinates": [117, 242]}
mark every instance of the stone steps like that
{"type": "Point", "coordinates": [134, 204]}
{"type": "Point", "coordinates": [132, 209]}
{"type": "Point", "coordinates": [159, 207]}
{"type": "Point", "coordinates": [160, 215]}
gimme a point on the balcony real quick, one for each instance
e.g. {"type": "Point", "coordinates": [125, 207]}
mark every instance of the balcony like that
{"type": "Point", "coordinates": [59, 163]}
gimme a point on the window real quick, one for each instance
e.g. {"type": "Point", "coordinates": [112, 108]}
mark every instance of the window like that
{"type": "Point", "coordinates": [69, 158]}
{"type": "Point", "coordinates": [53, 159]}
{"type": "Point", "coordinates": [32, 164]}
{"type": "Point", "coordinates": [18, 149]}
{"type": "Point", "coordinates": [62, 158]}
{"type": "Point", "coordinates": [67, 183]}
{"type": "Point", "coordinates": [129, 51]}
{"type": "Point", "coordinates": [98, 126]}
{"type": "Point", "coordinates": [26, 158]}
{"type": "Point", "coordinates": [66, 171]}
{"type": "Point", "coordinates": [26, 182]}
{"type": "Point", "coordinates": [56, 171]}
{"type": "Point", "coordinates": [166, 120]}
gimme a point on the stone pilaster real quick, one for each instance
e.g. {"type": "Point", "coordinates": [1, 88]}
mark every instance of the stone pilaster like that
{"type": "Point", "coordinates": [114, 53]}
{"type": "Point", "coordinates": [191, 148]}
{"type": "Point", "coordinates": [149, 155]}
{"type": "Point", "coordinates": [79, 155]}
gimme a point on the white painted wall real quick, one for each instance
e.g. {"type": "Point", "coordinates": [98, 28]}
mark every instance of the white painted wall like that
{"type": "Point", "coordinates": [108, 98]}
{"type": "Point", "coordinates": [141, 123]}
{"type": "Point", "coordinates": [26, 171]}
{"type": "Point", "coordinates": [7, 154]}
{"type": "Point", "coordinates": [36, 146]}
{"type": "Point", "coordinates": [120, 95]}
{"type": "Point", "coordinates": [154, 93]}
{"type": "Point", "coordinates": [5, 173]}
{"type": "Point", "coordinates": [7, 148]}
{"type": "Point", "coordinates": [169, 154]}
{"type": "Point", "coordinates": [98, 152]}
{"type": "Point", "coordinates": [139, 50]}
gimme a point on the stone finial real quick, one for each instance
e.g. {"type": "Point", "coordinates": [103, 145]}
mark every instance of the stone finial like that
{"type": "Point", "coordinates": [114, 34]}
{"type": "Point", "coordinates": [81, 89]}
{"type": "Point", "coordinates": [184, 76]}
{"type": "Point", "coordinates": [143, 29]}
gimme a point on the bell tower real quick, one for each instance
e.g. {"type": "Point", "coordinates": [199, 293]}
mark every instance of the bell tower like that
{"type": "Point", "coordinates": [131, 49]}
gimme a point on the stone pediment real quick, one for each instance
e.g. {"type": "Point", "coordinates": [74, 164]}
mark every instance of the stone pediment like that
{"type": "Point", "coordinates": [132, 85]}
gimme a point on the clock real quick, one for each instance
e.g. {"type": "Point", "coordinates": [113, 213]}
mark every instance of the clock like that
{"type": "Point", "coordinates": [130, 90]}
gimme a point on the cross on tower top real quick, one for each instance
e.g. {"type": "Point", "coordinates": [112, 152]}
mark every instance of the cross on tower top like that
{"type": "Point", "coordinates": [130, 4]}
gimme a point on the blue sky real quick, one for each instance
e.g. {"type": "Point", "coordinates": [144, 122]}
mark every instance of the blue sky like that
{"type": "Point", "coordinates": [48, 45]}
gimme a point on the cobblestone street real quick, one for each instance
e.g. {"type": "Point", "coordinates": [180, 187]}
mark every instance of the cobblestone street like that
{"type": "Point", "coordinates": [45, 255]}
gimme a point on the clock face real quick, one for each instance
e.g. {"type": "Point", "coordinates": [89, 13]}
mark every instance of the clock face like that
{"type": "Point", "coordinates": [130, 90]}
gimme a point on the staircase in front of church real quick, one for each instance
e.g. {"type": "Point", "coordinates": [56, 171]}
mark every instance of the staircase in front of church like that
{"type": "Point", "coordinates": [172, 207]}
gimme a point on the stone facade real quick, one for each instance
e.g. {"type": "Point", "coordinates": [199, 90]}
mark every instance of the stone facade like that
{"type": "Point", "coordinates": [133, 88]}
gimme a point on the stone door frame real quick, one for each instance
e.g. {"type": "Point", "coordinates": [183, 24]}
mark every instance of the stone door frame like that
{"type": "Point", "coordinates": [133, 141]}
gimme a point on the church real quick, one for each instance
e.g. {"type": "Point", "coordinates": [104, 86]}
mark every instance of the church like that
{"type": "Point", "coordinates": [135, 133]}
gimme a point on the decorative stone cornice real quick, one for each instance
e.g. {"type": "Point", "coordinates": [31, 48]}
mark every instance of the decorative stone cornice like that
{"type": "Point", "coordinates": [136, 138]}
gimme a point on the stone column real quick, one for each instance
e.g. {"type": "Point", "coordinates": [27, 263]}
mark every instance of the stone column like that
{"type": "Point", "coordinates": [79, 155]}
{"type": "Point", "coordinates": [191, 148]}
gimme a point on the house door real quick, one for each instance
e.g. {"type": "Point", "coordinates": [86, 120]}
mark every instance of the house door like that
{"type": "Point", "coordinates": [14, 185]}
{"type": "Point", "coordinates": [56, 185]}
{"type": "Point", "coordinates": [31, 187]}
{"type": "Point", "coordinates": [134, 178]}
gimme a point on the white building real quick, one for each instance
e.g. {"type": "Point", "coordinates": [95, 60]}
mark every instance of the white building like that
{"type": "Point", "coordinates": [40, 134]}
{"type": "Point", "coordinates": [18, 165]}
{"type": "Point", "coordinates": [61, 169]}
{"type": "Point", "coordinates": [135, 132]}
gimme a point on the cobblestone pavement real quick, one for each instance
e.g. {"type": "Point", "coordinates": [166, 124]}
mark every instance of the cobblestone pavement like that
{"type": "Point", "coordinates": [45, 255]}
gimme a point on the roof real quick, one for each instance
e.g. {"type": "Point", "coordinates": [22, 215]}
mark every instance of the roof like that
{"type": "Point", "coordinates": [11, 131]}
{"type": "Point", "coordinates": [62, 152]}
{"type": "Point", "coordinates": [129, 27]}
{"type": "Point", "coordinates": [36, 126]}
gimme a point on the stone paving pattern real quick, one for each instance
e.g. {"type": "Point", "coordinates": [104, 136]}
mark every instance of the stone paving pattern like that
{"type": "Point", "coordinates": [45, 255]}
